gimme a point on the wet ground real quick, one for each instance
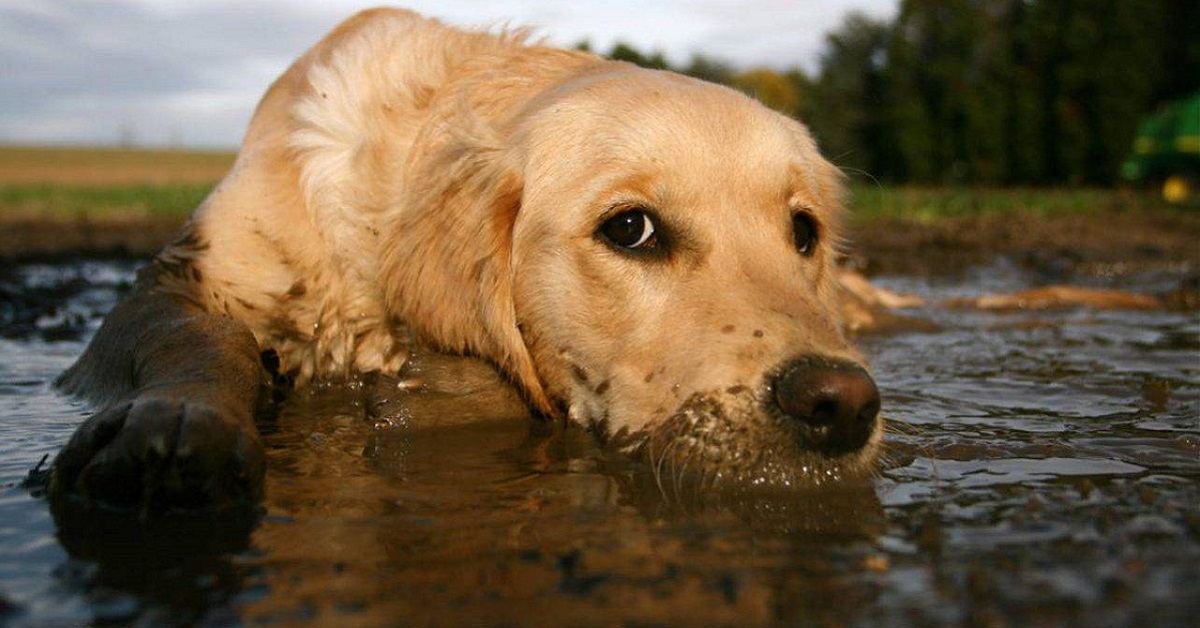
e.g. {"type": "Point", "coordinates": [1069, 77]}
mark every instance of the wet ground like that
{"type": "Point", "coordinates": [1044, 469]}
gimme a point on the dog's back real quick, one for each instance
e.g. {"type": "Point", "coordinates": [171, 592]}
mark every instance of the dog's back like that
{"type": "Point", "coordinates": [291, 241]}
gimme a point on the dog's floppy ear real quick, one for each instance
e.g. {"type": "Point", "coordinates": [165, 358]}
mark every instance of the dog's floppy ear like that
{"type": "Point", "coordinates": [447, 268]}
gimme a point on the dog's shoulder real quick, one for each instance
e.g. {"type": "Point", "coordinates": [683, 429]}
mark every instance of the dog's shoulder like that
{"type": "Point", "coordinates": [287, 242]}
{"type": "Point", "coordinates": [339, 147]}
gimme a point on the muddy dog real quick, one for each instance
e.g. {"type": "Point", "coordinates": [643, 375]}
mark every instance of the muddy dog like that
{"type": "Point", "coordinates": [648, 255]}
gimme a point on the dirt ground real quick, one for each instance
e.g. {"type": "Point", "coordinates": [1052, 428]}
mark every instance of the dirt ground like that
{"type": "Point", "coordinates": [1057, 246]}
{"type": "Point", "coordinates": [24, 240]}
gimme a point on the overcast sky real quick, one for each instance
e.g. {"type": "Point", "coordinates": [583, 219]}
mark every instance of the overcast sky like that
{"type": "Point", "coordinates": [188, 72]}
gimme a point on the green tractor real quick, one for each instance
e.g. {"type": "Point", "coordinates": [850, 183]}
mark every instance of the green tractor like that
{"type": "Point", "coordinates": [1167, 151]}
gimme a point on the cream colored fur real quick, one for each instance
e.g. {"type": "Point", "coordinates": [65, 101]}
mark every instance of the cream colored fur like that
{"type": "Point", "coordinates": [405, 182]}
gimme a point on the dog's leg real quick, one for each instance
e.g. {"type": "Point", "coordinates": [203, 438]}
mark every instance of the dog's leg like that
{"type": "Point", "coordinates": [178, 387]}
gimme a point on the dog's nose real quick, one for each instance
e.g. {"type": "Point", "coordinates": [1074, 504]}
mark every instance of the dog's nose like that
{"type": "Point", "coordinates": [834, 401]}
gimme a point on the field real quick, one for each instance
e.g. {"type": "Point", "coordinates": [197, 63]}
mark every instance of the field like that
{"type": "Point", "coordinates": [65, 184]}
{"type": "Point", "coordinates": [105, 167]}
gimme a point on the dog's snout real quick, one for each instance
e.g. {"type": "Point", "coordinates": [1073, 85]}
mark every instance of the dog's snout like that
{"type": "Point", "coordinates": [834, 401]}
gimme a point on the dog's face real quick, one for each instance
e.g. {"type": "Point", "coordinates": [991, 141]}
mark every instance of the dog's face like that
{"type": "Point", "coordinates": [672, 277]}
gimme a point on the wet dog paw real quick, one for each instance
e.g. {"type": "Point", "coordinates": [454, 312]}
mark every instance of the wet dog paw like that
{"type": "Point", "coordinates": [160, 452]}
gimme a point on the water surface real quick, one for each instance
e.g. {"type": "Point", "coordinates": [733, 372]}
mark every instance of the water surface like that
{"type": "Point", "coordinates": [1042, 468]}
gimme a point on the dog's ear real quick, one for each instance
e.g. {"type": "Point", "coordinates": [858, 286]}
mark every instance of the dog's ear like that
{"type": "Point", "coordinates": [447, 269]}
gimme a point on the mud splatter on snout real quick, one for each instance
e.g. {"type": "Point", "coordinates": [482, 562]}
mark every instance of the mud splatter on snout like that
{"type": "Point", "coordinates": [726, 440]}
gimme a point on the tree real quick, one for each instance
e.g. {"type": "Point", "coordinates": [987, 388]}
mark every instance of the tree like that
{"type": "Point", "coordinates": [850, 110]}
{"type": "Point", "coordinates": [935, 66]}
{"type": "Point", "coordinates": [775, 90]}
{"type": "Point", "coordinates": [982, 91]}
{"type": "Point", "coordinates": [1179, 57]}
{"type": "Point", "coordinates": [708, 69]}
{"type": "Point", "coordinates": [624, 52]}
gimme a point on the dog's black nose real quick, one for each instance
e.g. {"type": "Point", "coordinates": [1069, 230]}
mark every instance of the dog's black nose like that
{"type": "Point", "coordinates": [834, 401]}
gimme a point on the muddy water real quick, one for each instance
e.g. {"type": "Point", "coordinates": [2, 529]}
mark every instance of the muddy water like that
{"type": "Point", "coordinates": [1043, 468]}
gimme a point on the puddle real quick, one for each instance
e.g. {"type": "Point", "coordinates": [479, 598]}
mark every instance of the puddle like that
{"type": "Point", "coordinates": [1042, 468]}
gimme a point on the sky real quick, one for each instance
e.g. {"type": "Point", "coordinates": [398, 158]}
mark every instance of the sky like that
{"type": "Point", "coordinates": [189, 72]}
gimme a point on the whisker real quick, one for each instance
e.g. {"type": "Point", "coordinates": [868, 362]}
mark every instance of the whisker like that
{"type": "Point", "coordinates": [702, 484]}
{"type": "Point", "coordinates": [683, 472]}
{"type": "Point", "coordinates": [674, 472]}
{"type": "Point", "coordinates": [654, 465]}
{"type": "Point", "coordinates": [863, 173]}
{"type": "Point", "coordinates": [893, 426]}
{"type": "Point", "coordinates": [658, 470]}
{"type": "Point", "coordinates": [888, 457]}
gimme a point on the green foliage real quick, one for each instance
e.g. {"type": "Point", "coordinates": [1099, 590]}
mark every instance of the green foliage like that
{"type": "Point", "coordinates": [708, 69]}
{"type": "Point", "coordinates": [849, 111]}
{"type": "Point", "coordinates": [624, 52]}
{"type": "Point", "coordinates": [781, 92]}
{"type": "Point", "coordinates": [983, 91]}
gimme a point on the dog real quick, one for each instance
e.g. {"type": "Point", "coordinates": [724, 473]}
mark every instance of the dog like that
{"type": "Point", "coordinates": [646, 255]}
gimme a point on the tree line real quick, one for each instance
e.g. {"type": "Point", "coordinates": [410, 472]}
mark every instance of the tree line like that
{"type": "Point", "coordinates": [981, 91]}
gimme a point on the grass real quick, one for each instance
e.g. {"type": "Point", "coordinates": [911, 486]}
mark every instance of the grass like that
{"type": "Point", "coordinates": [51, 201]}
{"type": "Point", "coordinates": [930, 204]}
{"type": "Point", "coordinates": [53, 183]}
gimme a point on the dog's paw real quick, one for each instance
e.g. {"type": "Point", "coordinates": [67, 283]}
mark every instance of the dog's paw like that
{"type": "Point", "coordinates": [160, 452]}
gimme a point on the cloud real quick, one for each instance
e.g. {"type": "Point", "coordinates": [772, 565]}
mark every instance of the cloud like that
{"type": "Point", "coordinates": [190, 71]}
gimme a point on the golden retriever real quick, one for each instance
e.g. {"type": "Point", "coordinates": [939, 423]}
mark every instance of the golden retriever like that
{"type": "Point", "coordinates": [649, 255]}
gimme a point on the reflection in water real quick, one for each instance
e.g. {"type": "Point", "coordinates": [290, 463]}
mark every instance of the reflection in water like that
{"type": "Point", "coordinates": [1042, 469]}
{"type": "Point", "coordinates": [508, 519]}
{"type": "Point", "coordinates": [174, 569]}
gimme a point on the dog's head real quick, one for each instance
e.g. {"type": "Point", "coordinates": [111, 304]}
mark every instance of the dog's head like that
{"type": "Point", "coordinates": [653, 256]}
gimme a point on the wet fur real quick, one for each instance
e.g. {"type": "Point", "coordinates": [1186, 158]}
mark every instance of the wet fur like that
{"type": "Point", "coordinates": [406, 182]}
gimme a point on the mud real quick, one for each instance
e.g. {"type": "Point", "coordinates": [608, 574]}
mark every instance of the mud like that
{"type": "Point", "coordinates": [1057, 248]}
{"type": "Point", "coordinates": [29, 240]}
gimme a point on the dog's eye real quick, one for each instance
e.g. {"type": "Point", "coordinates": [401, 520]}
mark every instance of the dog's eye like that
{"type": "Point", "coordinates": [804, 233]}
{"type": "Point", "coordinates": [631, 229]}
